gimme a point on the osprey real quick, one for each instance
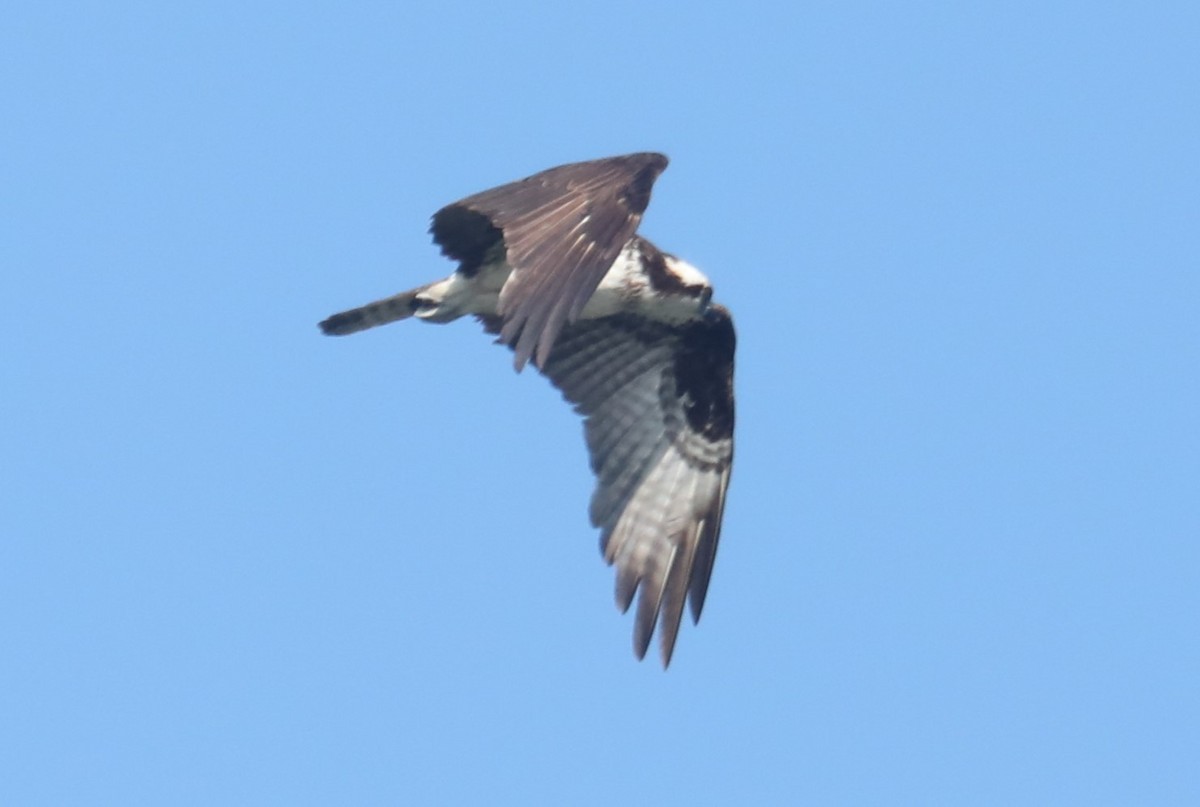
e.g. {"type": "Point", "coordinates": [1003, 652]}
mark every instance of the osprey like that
{"type": "Point", "coordinates": [552, 264]}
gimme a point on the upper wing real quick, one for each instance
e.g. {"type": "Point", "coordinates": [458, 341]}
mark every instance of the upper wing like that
{"type": "Point", "coordinates": [562, 230]}
{"type": "Point", "coordinates": [658, 401]}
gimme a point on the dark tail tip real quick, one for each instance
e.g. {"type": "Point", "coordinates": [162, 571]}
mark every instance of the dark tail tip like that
{"type": "Point", "coordinates": [343, 323]}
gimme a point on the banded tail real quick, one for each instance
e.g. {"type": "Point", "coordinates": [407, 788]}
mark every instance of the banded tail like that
{"type": "Point", "coordinates": [381, 312]}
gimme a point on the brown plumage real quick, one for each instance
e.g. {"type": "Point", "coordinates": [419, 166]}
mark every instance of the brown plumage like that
{"type": "Point", "coordinates": [552, 264]}
{"type": "Point", "coordinates": [562, 228]}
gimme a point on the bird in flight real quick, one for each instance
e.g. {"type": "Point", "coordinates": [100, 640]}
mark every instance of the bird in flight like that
{"type": "Point", "coordinates": [553, 265]}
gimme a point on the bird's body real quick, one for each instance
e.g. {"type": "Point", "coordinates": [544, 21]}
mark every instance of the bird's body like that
{"type": "Point", "coordinates": [553, 265]}
{"type": "Point", "coordinates": [627, 287]}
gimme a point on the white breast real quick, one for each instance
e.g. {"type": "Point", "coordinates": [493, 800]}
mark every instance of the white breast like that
{"type": "Point", "coordinates": [620, 289]}
{"type": "Point", "coordinates": [626, 287]}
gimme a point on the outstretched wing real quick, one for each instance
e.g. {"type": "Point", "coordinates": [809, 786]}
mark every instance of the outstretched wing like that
{"type": "Point", "coordinates": [562, 230]}
{"type": "Point", "coordinates": [658, 403]}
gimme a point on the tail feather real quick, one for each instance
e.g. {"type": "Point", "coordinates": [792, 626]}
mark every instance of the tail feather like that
{"type": "Point", "coordinates": [389, 309]}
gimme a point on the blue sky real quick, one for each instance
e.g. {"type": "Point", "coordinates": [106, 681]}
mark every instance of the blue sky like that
{"type": "Point", "coordinates": [244, 564]}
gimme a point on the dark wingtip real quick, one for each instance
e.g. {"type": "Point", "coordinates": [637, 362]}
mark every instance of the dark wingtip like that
{"type": "Point", "coordinates": [637, 195]}
{"type": "Point", "coordinates": [641, 643]}
{"type": "Point", "coordinates": [654, 160]}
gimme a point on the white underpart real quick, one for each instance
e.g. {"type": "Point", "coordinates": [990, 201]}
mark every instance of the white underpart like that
{"type": "Point", "coordinates": [459, 295]}
{"type": "Point", "coordinates": [625, 287]}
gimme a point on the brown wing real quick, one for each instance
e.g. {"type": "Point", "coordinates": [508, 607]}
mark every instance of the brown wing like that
{"type": "Point", "coordinates": [562, 230]}
{"type": "Point", "coordinates": [658, 403]}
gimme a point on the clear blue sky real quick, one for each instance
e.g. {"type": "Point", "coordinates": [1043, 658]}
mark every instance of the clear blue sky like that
{"type": "Point", "coordinates": [241, 563]}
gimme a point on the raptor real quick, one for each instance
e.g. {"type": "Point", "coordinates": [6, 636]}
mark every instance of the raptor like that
{"type": "Point", "coordinates": [554, 267]}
